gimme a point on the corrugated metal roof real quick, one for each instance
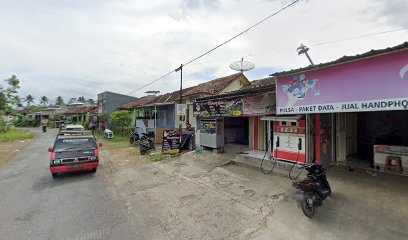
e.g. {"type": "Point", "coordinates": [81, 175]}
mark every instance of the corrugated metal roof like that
{"type": "Point", "coordinates": [346, 59]}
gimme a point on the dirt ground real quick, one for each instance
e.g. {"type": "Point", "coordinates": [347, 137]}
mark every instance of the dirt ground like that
{"type": "Point", "coordinates": [8, 149]}
{"type": "Point", "coordinates": [204, 196]}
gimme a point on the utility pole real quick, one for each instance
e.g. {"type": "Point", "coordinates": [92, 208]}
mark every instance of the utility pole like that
{"type": "Point", "coordinates": [181, 99]}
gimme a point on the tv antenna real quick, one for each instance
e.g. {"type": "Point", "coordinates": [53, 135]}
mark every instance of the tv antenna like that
{"type": "Point", "coordinates": [242, 66]}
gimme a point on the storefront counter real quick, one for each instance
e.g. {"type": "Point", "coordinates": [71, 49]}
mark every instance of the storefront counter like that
{"type": "Point", "coordinates": [381, 152]}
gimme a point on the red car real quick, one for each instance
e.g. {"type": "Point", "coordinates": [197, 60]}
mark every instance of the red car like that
{"type": "Point", "coordinates": [74, 153]}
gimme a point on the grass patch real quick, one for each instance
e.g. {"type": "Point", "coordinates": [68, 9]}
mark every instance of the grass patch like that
{"type": "Point", "coordinates": [114, 143]}
{"type": "Point", "coordinates": [157, 157]}
{"type": "Point", "coordinates": [15, 134]}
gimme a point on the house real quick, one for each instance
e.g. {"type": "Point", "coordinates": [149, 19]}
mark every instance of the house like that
{"type": "Point", "coordinates": [86, 116]}
{"type": "Point", "coordinates": [109, 102]}
{"type": "Point", "coordinates": [159, 113]}
{"type": "Point", "coordinates": [52, 116]}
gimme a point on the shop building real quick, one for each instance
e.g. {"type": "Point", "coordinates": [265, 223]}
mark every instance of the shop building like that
{"type": "Point", "coordinates": [159, 113]}
{"type": "Point", "coordinates": [235, 117]}
{"type": "Point", "coordinates": [354, 111]}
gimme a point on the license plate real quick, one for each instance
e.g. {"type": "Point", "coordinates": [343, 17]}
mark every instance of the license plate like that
{"type": "Point", "coordinates": [76, 166]}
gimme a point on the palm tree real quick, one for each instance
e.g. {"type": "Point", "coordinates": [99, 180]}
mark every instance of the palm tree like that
{"type": "Point", "coordinates": [59, 101]}
{"type": "Point", "coordinates": [29, 99]}
{"type": "Point", "coordinates": [44, 100]}
{"type": "Point", "coordinates": [91, 102]}
{"type": "Point", "coordinates": [82, 99]}
{"type": "Point", "coordinates": [72, 100]}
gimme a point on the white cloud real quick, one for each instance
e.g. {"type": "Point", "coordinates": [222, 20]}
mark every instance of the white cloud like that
{"type": "Point", "coordinates": [74, 47]}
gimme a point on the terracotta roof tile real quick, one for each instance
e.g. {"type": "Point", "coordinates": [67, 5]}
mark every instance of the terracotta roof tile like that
{"type": "Point", "coordinates": [215, 86]}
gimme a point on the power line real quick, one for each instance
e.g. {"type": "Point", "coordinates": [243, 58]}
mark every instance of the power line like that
{"type": "Point", "coordinates": [243, 32]}
{"type": "Point", "coordinates": [220, 45]}
{"type": "Point", "coordinates": [355, 37]}
{"type": "Point", "coordinates": [150, 83]}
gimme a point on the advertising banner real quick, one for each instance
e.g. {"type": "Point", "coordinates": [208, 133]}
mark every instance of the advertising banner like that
{"type": "Point", "coordinates": [171, 142]}
{"type": "Point", "coordinates": [218, 108]}
{"type": "Point", "coordinates": [374, 84]}
{"type": "Point", "coordinates": [181, 109]}
{"type": "Point", "coordinates": [259, 105]}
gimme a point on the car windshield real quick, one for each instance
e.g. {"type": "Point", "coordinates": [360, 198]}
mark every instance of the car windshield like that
{"type": "Point", "coordinates": [74, 128]}
{"type": "Point", "coordinates": [74, 144]}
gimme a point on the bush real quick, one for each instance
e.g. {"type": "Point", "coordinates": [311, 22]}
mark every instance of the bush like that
{"type": "Point", "coordinates": [2, 127]}
{"type": "Point", "coordinates": [120, 120]}
{"type": "Point", "coordinates": [127, 131]}
{"type": "Point", "coordinates": [35, 123]}
{"type": "Point", "coordinates": [21, 123]}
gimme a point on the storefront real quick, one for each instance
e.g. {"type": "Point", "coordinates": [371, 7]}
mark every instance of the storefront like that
{"type": "Point", "coordinates": [239, 116]}
{"type": "Point", "coordinates": [358, 107]}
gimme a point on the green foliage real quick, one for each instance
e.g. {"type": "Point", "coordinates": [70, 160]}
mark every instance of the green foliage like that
{"type": "Point", "coordinates": [15, 134]}
{"type": "Point", "coordinates": [8, 96]}
{"type": "Point", "coordinates": [29, 99]}
{"type": "Point", "coordinates": [158, 157]}
{"type": "Point", "coordinates": [72, 100]}
{"type": "Point", "coordinates": [59, 101]}
{"type": "Point", "coordinates": [91, 102]}
{"type": "Point", "coordinates": [82, 99]}
{"type": "Point", "coordinates": [44, 100]}
{"type": "Point", "coordinates": [121, 119]}
{"type": "Point", "coordinates": [21, 123]}
{"type": "Point", "coordinates": [2, 127]}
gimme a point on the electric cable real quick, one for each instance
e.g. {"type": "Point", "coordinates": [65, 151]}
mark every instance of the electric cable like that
{"type": "Point", "coordinates": [291, 168]}
{"type": "Point", "coordinates": [263, 159]}
{"type": "Point", "coordinates": [243, 32]}
{"type": "Point", "coordinates": [359, 36]}
{"type": "Point", "coordinates": [219, 45]}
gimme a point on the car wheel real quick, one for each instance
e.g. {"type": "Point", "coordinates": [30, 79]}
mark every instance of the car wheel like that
{"type": "Point", "coordinates": [93, 170]}
{"type": "Point", "coordinates": [54, 175]}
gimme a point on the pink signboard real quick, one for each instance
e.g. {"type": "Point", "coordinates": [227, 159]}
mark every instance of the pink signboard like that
{"type": "Point", "coordinates": [374, 84]}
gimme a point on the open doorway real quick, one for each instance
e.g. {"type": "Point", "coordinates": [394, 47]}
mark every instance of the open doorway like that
{"type": "Point", "coordinates": [236, 130]}
{"type": "Point", "coordinates": [357, 133]}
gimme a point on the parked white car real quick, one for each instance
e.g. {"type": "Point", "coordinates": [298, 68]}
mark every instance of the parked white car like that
{"type": "Point", "coordinates": [72, 127]}
{"type": "Point", "coordinates": [108, 133]}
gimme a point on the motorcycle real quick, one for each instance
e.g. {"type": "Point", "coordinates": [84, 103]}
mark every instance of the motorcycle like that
{"type": "Point", "coordinates": [147, 146]}
{"type": "Point", "coordinates": [311, 191]}
{"type": "Point", "coordinates": [44, 128]}
{"type": "Point", "coordinates": [134, 137]}
{"type": "Point", "coordinates": [147, 135]}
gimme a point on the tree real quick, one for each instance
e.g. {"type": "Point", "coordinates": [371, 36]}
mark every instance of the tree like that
{"type": "Point", "coordinates": [59, 101]}
{"type": "Point", "coordinates": [8, 96]}
{"type": "Point", "coordinates": [91, 102]}
{"type": "Point", "coordinates": [72, 100]}
{"type": "Point", "coordinates": [29, 99]}
{"type": "Point", "coordinates": [44, 100]}
{"type": "Point", "coordinates": [121, 119]}
{"type": "Point", "coordinates": [82, 99]}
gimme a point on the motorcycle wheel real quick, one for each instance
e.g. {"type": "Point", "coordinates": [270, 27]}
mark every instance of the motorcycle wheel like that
{"type": "Point", "coordinates": [309, 211]}
{"type": "Point", "coordinates": [143, 151]}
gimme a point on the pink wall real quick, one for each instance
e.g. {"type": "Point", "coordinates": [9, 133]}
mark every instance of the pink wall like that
{"type": "Point", "coordinates": [377, 78]}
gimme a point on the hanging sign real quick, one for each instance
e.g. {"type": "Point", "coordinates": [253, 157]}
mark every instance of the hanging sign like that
{"type": "Point", "coordinates": [218, 108]}
{"type": "Point", "coordinates": [181, 109]}
{"type": "Point", "coordinates": [375, 84]}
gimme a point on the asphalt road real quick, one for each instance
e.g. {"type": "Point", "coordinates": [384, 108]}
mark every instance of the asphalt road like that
{"type": "Point", "coordinates": [33, 205]}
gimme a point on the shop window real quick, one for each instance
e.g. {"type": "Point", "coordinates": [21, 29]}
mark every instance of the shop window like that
{"type": "Point", "coordinates": [293, 124]}
{"type": "Point", "coordinates": [283, 123]}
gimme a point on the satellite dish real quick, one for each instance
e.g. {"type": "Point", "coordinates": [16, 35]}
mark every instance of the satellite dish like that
{"type": "Point", "coordinates": [242, 66]}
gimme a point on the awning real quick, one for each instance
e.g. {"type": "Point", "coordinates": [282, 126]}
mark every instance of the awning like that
{"type": "Point", "coordinates": [275, 118]}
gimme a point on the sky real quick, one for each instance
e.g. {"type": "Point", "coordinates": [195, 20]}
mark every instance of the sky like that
{"type": "Point", "coordinates": [73, 48]}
